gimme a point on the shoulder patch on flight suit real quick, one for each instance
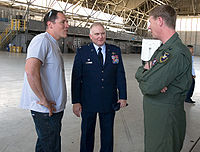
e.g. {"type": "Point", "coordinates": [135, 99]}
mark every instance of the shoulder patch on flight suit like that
{"type": "Point", "coordinates": [164, 57]}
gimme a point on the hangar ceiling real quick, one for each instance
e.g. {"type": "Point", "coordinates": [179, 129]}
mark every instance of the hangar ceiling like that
{"type": "Point", "coordinates": [133, 13]}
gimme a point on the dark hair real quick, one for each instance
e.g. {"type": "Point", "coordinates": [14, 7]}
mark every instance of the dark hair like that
{"type": "Point", "coordinates": [51, 16]}
{"type": "Point", "coordinates": [190, 46]}
{"type": "Point", "coordinates": [167, 13]}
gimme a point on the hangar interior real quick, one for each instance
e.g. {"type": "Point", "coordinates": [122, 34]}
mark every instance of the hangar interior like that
{"type": "Point", "coordinates": [126, 22]}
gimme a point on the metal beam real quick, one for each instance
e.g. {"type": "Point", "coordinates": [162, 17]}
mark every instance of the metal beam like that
{"type": "Point", "coordinates": [134, 19]}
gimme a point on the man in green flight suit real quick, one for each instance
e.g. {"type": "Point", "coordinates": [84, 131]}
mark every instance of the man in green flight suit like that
{"type": "Point", "coordinates": [164, 82]}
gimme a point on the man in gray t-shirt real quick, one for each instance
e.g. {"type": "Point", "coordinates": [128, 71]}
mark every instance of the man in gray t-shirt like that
{"type": "Point", "coordinates": [44, 90]}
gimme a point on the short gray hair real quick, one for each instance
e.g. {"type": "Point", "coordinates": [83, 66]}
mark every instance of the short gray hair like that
{"type": "Point", "coordinates": [96, 24]}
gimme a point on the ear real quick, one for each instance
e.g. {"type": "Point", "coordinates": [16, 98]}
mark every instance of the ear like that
{"type": "Point", "coordinates": [90, 36]}
{"type": "Point", "coordinates": [160, 21]}
{"type": "Point", "coordinates": [49, 24]}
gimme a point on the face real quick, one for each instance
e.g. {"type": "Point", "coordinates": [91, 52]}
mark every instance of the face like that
{"type": "Point", "coordinates": [60, 27]}
{"type": "Point", "coordinates": [98, 35]}
{"type": "Point", "coordinates": [191, 50]}
{"type": "Point", "coordinates": [153, 27]}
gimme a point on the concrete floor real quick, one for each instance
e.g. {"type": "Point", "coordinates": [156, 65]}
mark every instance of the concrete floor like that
{"type": "Point", "coordinates": [17, 133]}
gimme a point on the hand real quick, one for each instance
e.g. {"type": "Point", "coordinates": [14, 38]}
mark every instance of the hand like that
{"type": "Point", "coordinates": [49, 105]}
{"type": "Point", "coordinates": [77, 109]}
{"type": "Point", "coordinates": [194, 76]}
{"type": "Point", "coordinates": [122, 103]}
{"type": "Point", "coordinates": [148, 65]}
{"type": "Point", "coordinates": [164, 90]}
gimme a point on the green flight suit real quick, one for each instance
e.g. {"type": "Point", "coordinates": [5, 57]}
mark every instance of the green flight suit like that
{"type": "Point", "coordinates": [164, 115]}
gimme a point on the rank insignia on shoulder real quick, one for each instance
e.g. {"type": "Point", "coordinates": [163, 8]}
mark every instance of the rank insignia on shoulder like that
{"type": "Point", "coordinates": [164, 57]}
{"type": "Point", "coordinates": [115, 59]}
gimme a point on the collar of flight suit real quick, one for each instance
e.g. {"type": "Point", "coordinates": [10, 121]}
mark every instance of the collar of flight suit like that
{"type": "Point", "coordinates": [169, 42]}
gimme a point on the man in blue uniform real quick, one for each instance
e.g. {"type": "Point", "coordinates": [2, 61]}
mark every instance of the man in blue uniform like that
{"type": "Point", "coordinates": [98, 83]}
{"type": "Point", "coordinates": [164, 82]}
{"type": "Point", "coordinates": [190, 92]}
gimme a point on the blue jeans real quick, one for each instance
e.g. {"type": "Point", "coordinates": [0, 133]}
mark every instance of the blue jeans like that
{"type": "Point", "coordinates": [48, 131]}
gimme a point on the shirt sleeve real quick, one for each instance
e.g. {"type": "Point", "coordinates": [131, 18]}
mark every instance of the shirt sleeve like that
{"type": "Point", "coordinates": [121, 79]}
{"type": "Point", "coordinates": [193, 71]}
{"type": "Point", "coordinates": [76, 78]}
{"type": "Point", "coordinates": [161, 75]}
{"type": "Point", "coordinates": [38, 48]}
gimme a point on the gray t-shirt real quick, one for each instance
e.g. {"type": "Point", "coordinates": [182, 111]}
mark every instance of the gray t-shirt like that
{"type": "Point", "coordinates": [45, 48]}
